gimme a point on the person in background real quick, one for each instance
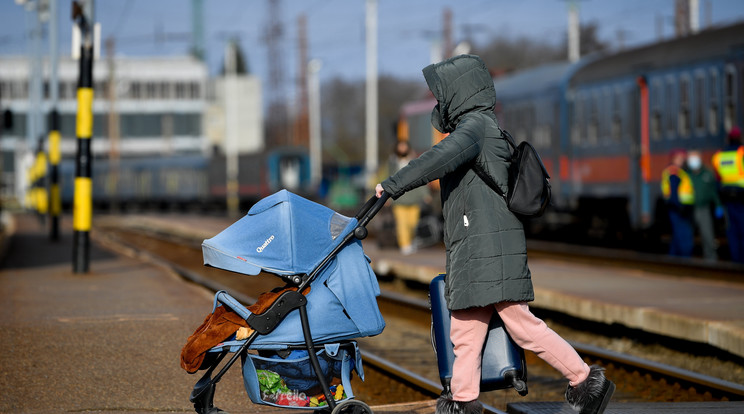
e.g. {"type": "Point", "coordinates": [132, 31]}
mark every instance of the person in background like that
{"type": "Point", "coordinates": [705, 188]}
{"type": "Point", "coordinates": [729, 166]}
{"type": "Point", "coordinates": [679, 195]}
{"type": "Point", "coordinates": [486, 252]}
{"type": "Point", "coordinates": [406, 209]}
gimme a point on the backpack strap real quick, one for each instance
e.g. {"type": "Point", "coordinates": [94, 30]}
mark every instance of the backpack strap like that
{"type": "Point", "coordinates": [506, 136]}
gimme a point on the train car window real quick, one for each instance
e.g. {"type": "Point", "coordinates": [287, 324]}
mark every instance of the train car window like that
{"type": "Point", "coordinates": [605, 113]}
{"type": "Point", "coordinates": [683, 116]}
{"type": "Point", "coordinates": [729, 90]}
{"type": "Point", "coordinates": [656, 111]}
{"type": "Point", "coordinates": [699, 102]}
{"type": "Point", "coordinates": [670, 103]}
{"type": "Point", "coordinates": [616, 128]}
{"type": "Point", "coordinates": [577, 118]}
{"type": "Point", "coordinates": [592, 128]}
{"type": "Point", "coordinates": [713, 104]}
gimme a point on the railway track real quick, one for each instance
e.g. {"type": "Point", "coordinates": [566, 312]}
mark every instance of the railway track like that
{"type": "Point", "coordinates": [403, 367]}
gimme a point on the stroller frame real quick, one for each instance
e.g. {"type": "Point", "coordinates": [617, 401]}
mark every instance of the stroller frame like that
{"type": "Point", "coordinates": [202, 396]}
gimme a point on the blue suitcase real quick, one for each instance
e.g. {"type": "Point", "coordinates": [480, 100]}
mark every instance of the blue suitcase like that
{"type": "Point", "coordinates": [503, 364]}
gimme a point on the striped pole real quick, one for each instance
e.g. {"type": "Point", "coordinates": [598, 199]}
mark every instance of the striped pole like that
{"type": "Point", "coordinates": [55, 199]}
{"type": "Point", "coordinates": [40, 183]}
{"type": "Point", "coordinates": [83, 198]}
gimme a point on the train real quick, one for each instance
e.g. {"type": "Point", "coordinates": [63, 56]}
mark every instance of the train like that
{"type": "Point", "coordinates": [604, 125]}
{"type": "Point", "coordinates": [189, 182]}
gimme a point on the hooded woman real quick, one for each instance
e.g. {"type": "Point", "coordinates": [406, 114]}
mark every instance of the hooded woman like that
{"type": "Point", "coordinates": [485, 243]}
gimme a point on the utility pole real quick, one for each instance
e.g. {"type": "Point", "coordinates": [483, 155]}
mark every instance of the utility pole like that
{"type": "Point", "coordinates": [313, 89]}
{"type": "Point", "coordinates": [113, 121]}
{"type": "Point", "coordinates": [447, 34]}
{"type": "Point", "coordinates": [277, 117]}
{"type": "Point", "coordinates": [232, 186]}
{"type": "Point", "coordinates": [83, 15]}
{"type": "Point", "coordinates": [371, 91]}
{"type": "Point", "coordinates": [197, 29]}
{"type": "Point", "coordinates": [301, 121]}
{"type": "Point", "coordinates": [55, 199]}
{"type": "Point", "coordinates": [574, 45]}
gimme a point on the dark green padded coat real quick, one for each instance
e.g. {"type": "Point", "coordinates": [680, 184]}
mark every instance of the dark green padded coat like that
{"type": "Point", "coordinates": [486, 250]}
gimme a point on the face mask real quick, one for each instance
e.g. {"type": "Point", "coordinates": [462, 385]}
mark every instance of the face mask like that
{"type": "Point", "coordinates": [694, 163]}
{"type": "Point", "coordinates": [436, 119]}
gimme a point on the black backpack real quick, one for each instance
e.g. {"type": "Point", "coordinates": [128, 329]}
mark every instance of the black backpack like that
{"type": "Point", "coordinates": [529, 185]}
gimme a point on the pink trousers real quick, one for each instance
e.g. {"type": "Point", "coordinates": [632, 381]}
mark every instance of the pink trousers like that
{"type": "Point", "coordinates": [468, 332]}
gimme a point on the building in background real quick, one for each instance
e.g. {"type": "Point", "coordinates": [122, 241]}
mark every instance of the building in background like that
{"type": "Point", "coordinates": [234, 113]}
{"type": "Point", "coordinates": [159, 105]}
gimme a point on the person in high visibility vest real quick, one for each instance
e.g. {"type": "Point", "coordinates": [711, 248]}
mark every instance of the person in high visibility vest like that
{"type": "Point", "coordinates": [729, 166]}
{"type": "Point", "coordinates": [676, 187]}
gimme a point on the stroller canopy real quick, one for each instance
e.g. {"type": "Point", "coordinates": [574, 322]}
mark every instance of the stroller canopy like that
{"type": "Point", "coordinates": [283, 234]}
{"type": "Point", "coordinates": [287, 234]}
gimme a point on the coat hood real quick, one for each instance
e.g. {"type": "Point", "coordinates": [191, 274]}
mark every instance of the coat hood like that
{"type": "Point", "coordinates": [460, 84]}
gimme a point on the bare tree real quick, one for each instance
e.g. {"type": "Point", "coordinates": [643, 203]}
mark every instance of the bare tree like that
{"type": "Point", "coordinates": [343, 115]}
{"type": "Point", "coordinates": [505, 54]}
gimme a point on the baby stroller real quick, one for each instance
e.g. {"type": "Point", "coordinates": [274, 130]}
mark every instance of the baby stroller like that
{"type": "Point", "coordinates": [297, 354]}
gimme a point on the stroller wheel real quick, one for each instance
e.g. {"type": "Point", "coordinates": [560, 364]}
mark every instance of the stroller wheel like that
{"type": "Point", "coordinates": [352, 407]}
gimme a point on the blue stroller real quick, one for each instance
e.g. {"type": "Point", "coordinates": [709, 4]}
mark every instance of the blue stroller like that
{"type": "Point", "coordinates": [297, 354]}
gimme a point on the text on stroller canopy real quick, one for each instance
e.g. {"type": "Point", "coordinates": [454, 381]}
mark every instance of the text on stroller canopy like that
{"type": "Point", "coordinates": [266, 243]}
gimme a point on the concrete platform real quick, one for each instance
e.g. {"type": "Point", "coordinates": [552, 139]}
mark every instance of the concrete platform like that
{"type": "Point", "coordinates": [633, 408]}
{"type": "Point", "coordinates": [107, 341]}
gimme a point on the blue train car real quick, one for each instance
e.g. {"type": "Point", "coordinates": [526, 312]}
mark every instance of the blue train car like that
{"type": "Point", "coordinates": [532, 106]}
{"type": "Point", "coordinates": [605, 124]}
{"type": "Point", "coordinates": [627, 111]}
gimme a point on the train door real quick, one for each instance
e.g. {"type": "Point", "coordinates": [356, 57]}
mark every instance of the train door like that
{"type": "Point", "coordinates": [639, 112]}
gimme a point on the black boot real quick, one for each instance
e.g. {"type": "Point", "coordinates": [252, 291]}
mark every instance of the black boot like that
{"type": "Point", "coordinates": [447, 405]}
{"type": "Point", "coordinates": [592, 395]}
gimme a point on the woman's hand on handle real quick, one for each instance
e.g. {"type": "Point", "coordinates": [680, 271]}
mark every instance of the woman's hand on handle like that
{"type": "Point", "coordinates": [379, 190]}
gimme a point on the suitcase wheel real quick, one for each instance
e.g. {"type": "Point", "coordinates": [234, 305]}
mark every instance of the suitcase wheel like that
{"type": "Point", "coordinates": [519, 384]}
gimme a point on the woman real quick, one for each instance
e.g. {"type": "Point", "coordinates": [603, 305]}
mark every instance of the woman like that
{"type": "Point", "coordinates": [406, 209]}
{"type": "Point", "coordinates": [485, 244]}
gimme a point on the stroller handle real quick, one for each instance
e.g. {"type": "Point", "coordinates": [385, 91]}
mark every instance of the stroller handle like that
{"type": "Point", "coordinates": [371, 208]}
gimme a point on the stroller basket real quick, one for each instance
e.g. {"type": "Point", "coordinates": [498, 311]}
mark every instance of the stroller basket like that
{"type": "Point", "coordinates": [291, 381]}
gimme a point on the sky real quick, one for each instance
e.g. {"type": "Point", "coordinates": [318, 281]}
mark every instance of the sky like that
{"type": "Point", "coordinates": [407, 29]}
